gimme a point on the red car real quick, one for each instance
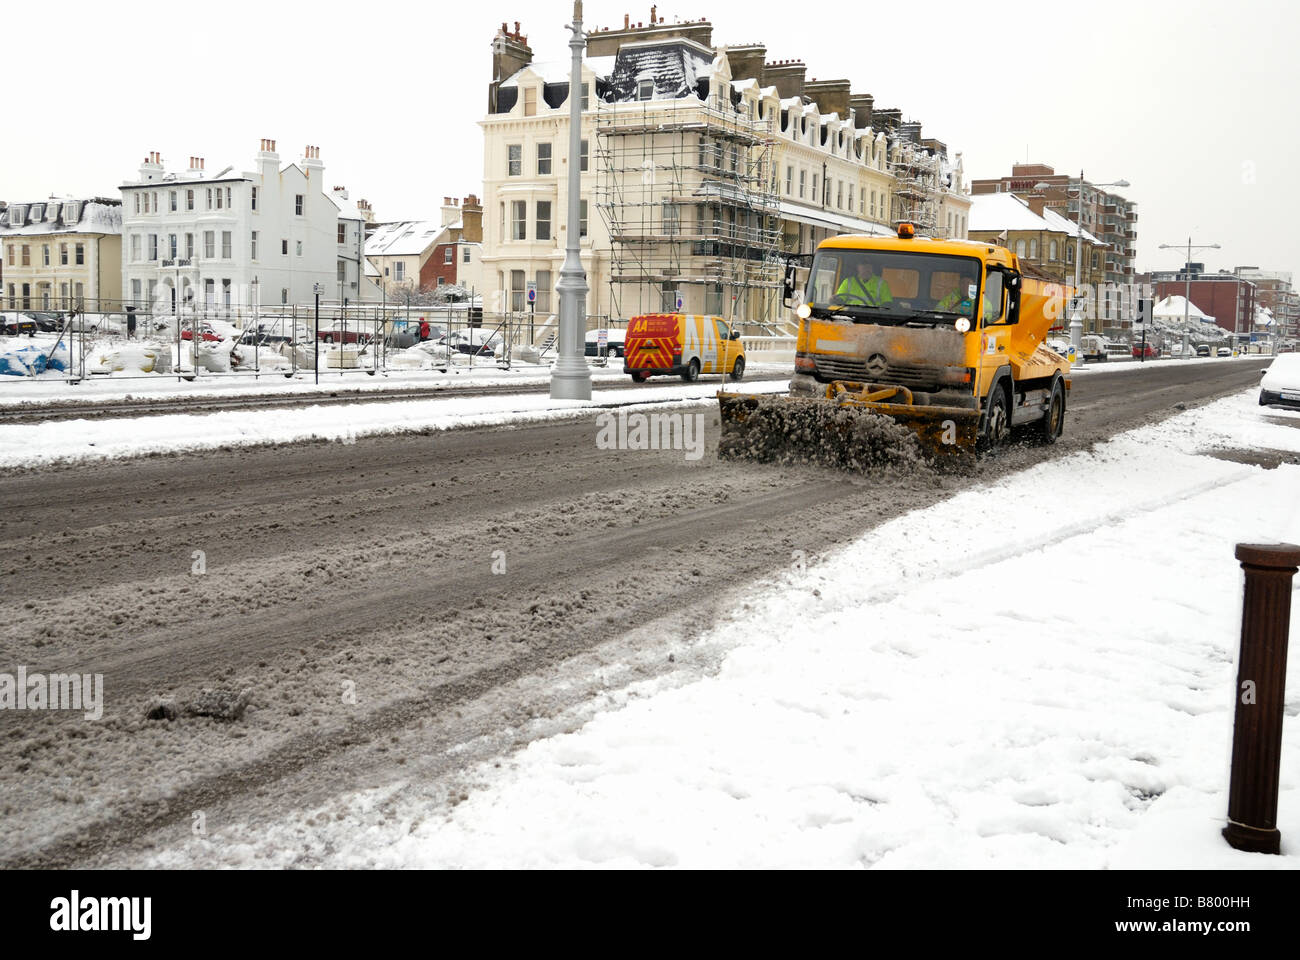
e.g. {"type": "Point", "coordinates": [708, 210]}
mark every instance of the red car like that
{"type": "Point", "coordinates": [350, 335]}
{"type": "Point", "coordinates": [206, 333]}
{"type": "Point", "coordinates": [1152, 351]}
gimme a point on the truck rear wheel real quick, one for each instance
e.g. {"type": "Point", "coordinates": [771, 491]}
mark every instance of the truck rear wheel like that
{"type": "Point", "coordinates": [692, 371]}
{"type": "Point", "coordinates": [1053, 424]}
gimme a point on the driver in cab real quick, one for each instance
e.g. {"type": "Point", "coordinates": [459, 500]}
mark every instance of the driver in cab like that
{"type": "Point", "coordinates": [951, 300]}
{"type": "Point", "coordinates": [865, 288]}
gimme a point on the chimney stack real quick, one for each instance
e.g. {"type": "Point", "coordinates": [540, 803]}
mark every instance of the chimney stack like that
{"type": "Point", "coordinates": [471, 215]}
{"type": "Point", "coordinates": [151, 169]}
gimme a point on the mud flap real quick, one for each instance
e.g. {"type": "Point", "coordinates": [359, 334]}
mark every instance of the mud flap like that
{"type": "Point", "coordinates": [838, 433]}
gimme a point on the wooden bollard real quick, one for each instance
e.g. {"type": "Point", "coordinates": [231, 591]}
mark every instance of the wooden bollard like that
{"type": "Point", "coordinates": [1261, 694]}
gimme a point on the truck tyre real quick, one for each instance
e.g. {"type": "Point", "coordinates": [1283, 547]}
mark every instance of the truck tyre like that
{"type": "Point", "coordinates": [692, 371]}
{"type": "Point", "coordinates": [997, 422]}
{"type": "Point", "coordinates": [1053, 424]}
{"type": "Point", "coordinates": [640, 377]}
{"type": "Point", "coordinates": [738, 370]}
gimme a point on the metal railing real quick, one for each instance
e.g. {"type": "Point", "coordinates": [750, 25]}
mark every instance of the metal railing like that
{"type": "Point", "coordinates": [128, 340]}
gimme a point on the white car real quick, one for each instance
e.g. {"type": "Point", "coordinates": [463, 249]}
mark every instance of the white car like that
{"type": "Point", "coordinates": [1281, 384]}
{"type": "Point", "coordinates": [1225, 351]}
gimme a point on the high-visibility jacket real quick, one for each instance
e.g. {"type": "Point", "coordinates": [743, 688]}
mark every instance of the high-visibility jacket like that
{"type": "Point", "coordinates": [872, 292]}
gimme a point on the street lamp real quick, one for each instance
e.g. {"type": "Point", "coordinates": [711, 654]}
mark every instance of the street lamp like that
{"type": "Point", "coordinates": [1187, 290]}
{"type": "Point", "coordinates": [571, 377]}
{"type": "Point", "coordinates": [315, 340]}
{"type": "Point", "coordinates": [1076, 324]}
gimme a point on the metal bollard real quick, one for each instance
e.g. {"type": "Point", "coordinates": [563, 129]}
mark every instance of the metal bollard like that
{"type": "Point", "coordinates": [1261, 693]}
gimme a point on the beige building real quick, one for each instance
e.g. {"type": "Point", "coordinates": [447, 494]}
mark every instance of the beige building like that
{"type": "Point", "coordinates": [703, 170]}
{"type": "Point", "coordinates": [62, 253]}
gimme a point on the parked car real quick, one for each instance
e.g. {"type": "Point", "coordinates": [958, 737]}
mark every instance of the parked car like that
{"type": "Point", "coordinates": [14, 324]}
{"type": "Point", "coordinates": [1281, 384]}
{"type": "Point", "coordinates": [342, 334]}
{"type": "Point", "coordinates": [1203, 350]}
{"type": "Point", "coordinates": [473, 341]}
{"type": "Point", "coordinates": [1225, 351]}
{"type": "Point", "coordinates": [206, 333]}
{"type": "Point", "coordinates": [46, 322]}
{"type": "Point", "coordinates": [1151, 351]}
{"type": "Point", "coordinates": [615, 343]}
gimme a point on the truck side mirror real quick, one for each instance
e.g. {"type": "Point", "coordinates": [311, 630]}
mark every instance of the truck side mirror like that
{"type": "Point", "coordinates": [791, 277]}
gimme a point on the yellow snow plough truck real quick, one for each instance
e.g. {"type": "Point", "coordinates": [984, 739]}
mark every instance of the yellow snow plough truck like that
{"type": "Point", "coordinates": [945, 338]}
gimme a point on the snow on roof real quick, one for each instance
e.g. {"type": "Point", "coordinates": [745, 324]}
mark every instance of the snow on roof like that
{"type": "Point", "coordinates": [347, 210]}
{"type": "Point", "coordinates": [995, 212]}
{"type": "Point", "coordinates": [405, 239]}
{"type": "Point", "coordinates": [92, 216]}
{"type": "Point", "coordinates": [560, 71]}
{"type": "Point", "coordinates": [1175, 308]}
{"type": "Point", "coordinates": [677, 66]}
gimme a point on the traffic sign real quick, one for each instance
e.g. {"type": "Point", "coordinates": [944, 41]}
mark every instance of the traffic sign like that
{"type": "Point", "coordinates": [532, 291]}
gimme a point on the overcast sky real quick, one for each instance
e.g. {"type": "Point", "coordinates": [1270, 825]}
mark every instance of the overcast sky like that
{"type": "Point", "coordinates": [1192, 102]}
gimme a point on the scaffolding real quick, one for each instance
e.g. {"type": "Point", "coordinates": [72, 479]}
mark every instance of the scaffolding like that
{"type": "Point", "coordinates": [688, 196]}
{"type": "Point", "coordinates": [917, 173]}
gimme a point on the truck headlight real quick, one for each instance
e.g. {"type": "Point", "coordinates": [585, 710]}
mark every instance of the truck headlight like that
{"type": "Point", "coordinates": [963, 325]}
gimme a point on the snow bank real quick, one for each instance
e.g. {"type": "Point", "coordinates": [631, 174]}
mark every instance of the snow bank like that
{"type": "Point", "coordinates": [30, 444]}
{"type": "Point", "coordinates": [953, 690]}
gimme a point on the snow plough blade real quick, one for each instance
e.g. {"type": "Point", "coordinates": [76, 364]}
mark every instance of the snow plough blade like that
{"type": "Point", "coordinates": [856, 427]}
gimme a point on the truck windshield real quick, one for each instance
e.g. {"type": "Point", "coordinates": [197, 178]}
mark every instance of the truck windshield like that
{"type": "Point", "coordinates": [894, 287]}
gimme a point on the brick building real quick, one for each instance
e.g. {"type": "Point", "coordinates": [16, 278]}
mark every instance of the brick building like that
{"type": "Point", "coordinates": [1107, 216]}
{"type": "Point", "coordinates": [457, 252]}
{"type": "Point", "coordinates": [1230, 299]}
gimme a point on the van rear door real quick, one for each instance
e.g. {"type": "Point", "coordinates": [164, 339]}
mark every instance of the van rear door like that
{"type": "Point", "coordinates": [653, 342]}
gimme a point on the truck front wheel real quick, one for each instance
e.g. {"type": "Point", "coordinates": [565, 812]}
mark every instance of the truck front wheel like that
{"type": "Point", "coordinates": [997, 422]}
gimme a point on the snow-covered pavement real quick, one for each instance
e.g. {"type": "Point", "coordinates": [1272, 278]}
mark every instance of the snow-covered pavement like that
{"type": "Point", "coordinates": [71, 440]}
{"type": "Point", "coordinates": [1037, 673]}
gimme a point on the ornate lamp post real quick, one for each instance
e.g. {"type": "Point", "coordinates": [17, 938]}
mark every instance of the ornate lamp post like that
{"type": "Point", "coordinates": [571, 377]}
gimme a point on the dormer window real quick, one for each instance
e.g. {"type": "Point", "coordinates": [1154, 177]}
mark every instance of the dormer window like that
{"type": "Point", "coordinates": [645, 90]}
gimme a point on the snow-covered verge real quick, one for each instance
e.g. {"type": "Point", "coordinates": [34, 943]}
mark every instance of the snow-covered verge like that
{"type": "Point", "coordinates": [50, 387]}
{"type": "Point", "coordinates": [1035, 673]}
{"type": "Point", "coordinates": [27, 445]}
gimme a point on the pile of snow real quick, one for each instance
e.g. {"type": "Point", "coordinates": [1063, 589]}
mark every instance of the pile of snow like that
{"type": "Point", "coordinates": [128, 358]}
{"type": "Point", "coordinates": [427, 355]}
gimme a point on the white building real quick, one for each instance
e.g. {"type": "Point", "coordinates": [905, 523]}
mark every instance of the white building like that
{"type": "Point", "coordinates": [231, 240]}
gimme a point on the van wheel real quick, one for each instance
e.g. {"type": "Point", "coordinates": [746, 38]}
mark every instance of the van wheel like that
{"type": "Point", "coordinates": [1053, 424]}
{"type": "Point", "coordinates": [692, 371]}
{"type": "Point", "coordinates": [640, 377]}
{"type": "Point", "coordinates": [738, 371]}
